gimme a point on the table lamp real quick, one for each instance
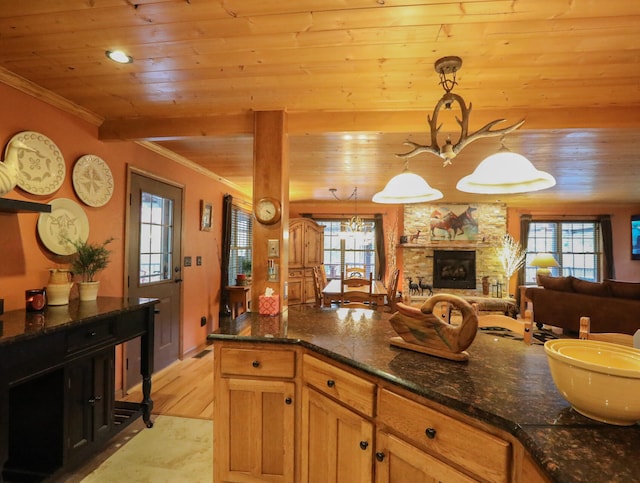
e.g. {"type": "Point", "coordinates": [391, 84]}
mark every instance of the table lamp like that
{"type": "Point", "coordinates": [543, 261]}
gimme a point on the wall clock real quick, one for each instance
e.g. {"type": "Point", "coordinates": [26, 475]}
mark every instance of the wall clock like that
{"type": "Point", "coordinates": [268, 211]}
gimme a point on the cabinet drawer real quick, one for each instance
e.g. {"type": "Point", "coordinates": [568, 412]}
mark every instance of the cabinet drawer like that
{"type": "Point", "coordinates": [296, 273]}
{"type": "Point", "coordinates": [89, 335]}
{"type": "Point", "coordinates": [348, 388]}
{"type": "Point", "coordinates": [485, 455]}
{"type": "Point", "coordinates": [257, 363]}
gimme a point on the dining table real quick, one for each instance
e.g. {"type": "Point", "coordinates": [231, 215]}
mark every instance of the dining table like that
{"type": "Point", "coordinates": [332, 292]}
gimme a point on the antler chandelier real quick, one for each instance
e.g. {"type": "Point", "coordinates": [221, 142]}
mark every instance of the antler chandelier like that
{"type": "Point", "coordinates": [447, 67]}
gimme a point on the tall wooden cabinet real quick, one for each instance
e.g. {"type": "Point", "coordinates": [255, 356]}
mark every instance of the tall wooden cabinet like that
{"type": "Point", "coordinates": [306, 249]}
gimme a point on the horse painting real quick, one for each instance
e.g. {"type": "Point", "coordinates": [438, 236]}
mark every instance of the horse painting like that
{"type": "Point", "coordinates": [447, 225]}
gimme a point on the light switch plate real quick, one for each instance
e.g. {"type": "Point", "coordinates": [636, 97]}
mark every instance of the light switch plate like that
{"type": "Point", "coordinates": [273, 248]}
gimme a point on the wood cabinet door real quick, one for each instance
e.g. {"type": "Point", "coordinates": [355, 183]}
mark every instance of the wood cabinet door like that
{"type": "Point", "coordinates": [255, 430]}
{"type": "Point", "coordinates": [314, 244]}
{"type": "Point", "coordinates": [296, 244]}
{"type": "Point", "coordinates": [89, 401]}
{"type": "Point", "coordinates": [337, 444]}
{"type": "Point", "coordinates": [398, 462]}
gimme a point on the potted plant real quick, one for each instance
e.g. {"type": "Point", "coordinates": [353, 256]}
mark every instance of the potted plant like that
{"type": "Point", "coordinates": [89, 259]}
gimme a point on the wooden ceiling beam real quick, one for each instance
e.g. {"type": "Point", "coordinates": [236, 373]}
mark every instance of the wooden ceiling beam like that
{"type": "Point", "coordinates": [362, 121]}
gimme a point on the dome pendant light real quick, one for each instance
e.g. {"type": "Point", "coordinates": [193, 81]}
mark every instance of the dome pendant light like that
{"type": "Point", "coordinates": [407, 188]}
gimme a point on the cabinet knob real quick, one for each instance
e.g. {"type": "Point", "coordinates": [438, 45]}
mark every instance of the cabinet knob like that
{"type": "Point", "coordinates": [364, 445]}
{"type": "Point", "coordinates": [288, 400]}
{"type": "Point", "coordinates": [380, 456]}
{"type": "Point", "coordinates": [255, 364]}
{"type": "Point", "coordinates": [430, 432]}
{"type": "Point", "coordinates": [331, 383]}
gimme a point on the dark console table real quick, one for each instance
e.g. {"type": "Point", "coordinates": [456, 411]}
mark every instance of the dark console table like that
{"type": "Point", "coordinates": [57, 391]}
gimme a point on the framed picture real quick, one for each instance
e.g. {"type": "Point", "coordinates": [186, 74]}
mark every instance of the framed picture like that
{"type": "Point", "coordinates": [206, 215]}
{"type": "Point", "coordinates": [635, 237]}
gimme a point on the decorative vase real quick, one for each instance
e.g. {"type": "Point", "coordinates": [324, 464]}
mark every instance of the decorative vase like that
{"type": "Point", "coordinates": [59, 286]}
{"type": "Point", "coordinates": [88, 290]}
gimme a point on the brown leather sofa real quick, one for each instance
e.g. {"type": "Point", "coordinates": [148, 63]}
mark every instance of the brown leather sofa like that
{"type": "Point", "coordinates": [613, 306]}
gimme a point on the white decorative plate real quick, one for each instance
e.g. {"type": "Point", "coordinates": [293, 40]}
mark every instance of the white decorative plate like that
{"type": "Point", "coordinates": [92, 180]}
{"type": "Point", "coordinates": [67, 221]}
{"type": "Point", "coordinates": [42, 170]}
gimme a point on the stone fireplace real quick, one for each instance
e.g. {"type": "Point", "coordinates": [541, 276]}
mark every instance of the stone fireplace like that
{"type": "Point", "coordinates": [419, 252]}
{"type": "Point", "coordinates": [454, 269]}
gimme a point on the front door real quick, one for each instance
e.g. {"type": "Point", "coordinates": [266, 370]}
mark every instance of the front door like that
{"type": "Point", "coordinates": [155, 227]}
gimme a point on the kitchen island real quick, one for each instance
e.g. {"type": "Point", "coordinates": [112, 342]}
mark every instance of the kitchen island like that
{"type": "Point", "coordinates": [57, 382]}
{"type": "Point", "coordinates": [503, 400]}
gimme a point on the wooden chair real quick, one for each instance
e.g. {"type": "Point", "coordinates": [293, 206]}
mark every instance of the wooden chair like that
{"type": "Point", "coordinates": [613, 337]}
{"type": "Point", "coordinates": [317, 284]}
{"type": "Point", "coordinates": [357, 292]}
{"type": "Point", "coordinates": [393, 296]}
{"type": "Point", "coordinates": [521, 327]}
{"type": "Point", "coordinates": [355, 272]}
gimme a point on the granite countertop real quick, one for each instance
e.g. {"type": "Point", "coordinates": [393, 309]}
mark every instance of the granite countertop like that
{"type": "Point", "coordinates": [17, 325]}
{"type": "Point", "coordinates": [506, 383]}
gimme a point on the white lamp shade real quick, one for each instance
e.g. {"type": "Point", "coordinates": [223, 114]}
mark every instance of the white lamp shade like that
{"type": "Point", "coordinates": [505, 172]}
{"type": "Point", "coordinates": [407, 188]}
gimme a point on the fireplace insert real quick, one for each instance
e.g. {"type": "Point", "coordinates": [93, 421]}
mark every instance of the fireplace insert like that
{"type": "Point", "coordinates": [454, 269]}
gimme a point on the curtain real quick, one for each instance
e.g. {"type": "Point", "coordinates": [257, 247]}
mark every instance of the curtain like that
{"type": "Point", "coordinates": [525, 222]}
{"type": "Point", "coordinates": [380, 251]}
{"type": "Point", "coordinates": [609, 271]}
{"type": "Point", "coordinates": [227, 202]}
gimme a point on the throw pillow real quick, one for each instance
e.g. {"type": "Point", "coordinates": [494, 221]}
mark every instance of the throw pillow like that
{"type": "Point", "coordinates": [590, 288]}
{"type": "Point", "coordinates": [561, 284]}
{"type": "Point", "coordinates": [624, 290]}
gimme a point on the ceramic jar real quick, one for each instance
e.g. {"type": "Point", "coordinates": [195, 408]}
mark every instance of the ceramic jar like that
{"type": "Point", "coordinates": [59, 286]}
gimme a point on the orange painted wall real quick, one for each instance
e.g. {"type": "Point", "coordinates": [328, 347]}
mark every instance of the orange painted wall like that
{"type": "Point", "coordinates": [24, 261]}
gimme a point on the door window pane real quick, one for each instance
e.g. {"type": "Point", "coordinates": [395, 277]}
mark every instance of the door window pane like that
{"type": "Point", "coordinates": [156, 227]}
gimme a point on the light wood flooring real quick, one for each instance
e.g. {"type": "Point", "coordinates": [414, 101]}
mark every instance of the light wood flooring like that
{"type": "Point", "coordinates": [184, 389]}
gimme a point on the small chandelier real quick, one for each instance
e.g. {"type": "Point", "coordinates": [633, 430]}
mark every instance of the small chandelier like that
{"type": "Point", "coordinates": [447, 67]}
{"type": "Point", "coordinates": [354, 226]}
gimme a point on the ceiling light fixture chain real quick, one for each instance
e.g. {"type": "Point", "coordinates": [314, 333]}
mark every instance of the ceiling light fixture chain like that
{"type": "Point", "coordinates": [447, 67]}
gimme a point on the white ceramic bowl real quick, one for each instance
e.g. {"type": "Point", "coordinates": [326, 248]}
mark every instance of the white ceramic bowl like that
{"type": "Point", "coordinates": [600, 380]}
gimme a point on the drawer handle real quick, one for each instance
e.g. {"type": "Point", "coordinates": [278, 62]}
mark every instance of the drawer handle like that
{"type": "Point", "coordinates": [331, 383]}
{"type": "Point", "coordinates": [380, 456]}
{"type": "Point", "coordinates": [430, 432]}
{"type": "Point", "coordinates": [364, 445]}
{"type": "Point", "coordinates": [255, 364]}
{"type": "Point", "coordinates": [91, 334]}
{"type": "Point", "coordinates": [288, 400]}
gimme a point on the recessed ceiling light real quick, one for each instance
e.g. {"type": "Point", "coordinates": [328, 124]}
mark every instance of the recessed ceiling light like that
{"type": "Point", "coordinates": [119, 56]}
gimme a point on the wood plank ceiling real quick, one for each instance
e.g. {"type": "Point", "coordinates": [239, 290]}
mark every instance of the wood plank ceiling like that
{"type": "Point", "coordinates": [357, 80]}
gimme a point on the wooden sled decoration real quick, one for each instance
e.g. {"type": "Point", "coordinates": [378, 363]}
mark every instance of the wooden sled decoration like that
{"type": "Point", "coordinates": [422, 331]}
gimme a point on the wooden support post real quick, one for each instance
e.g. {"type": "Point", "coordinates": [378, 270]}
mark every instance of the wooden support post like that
{"type": "Point", "coordinates": [270, 180]}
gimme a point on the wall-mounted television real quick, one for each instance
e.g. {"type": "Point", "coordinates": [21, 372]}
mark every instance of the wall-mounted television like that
{"type": "Point", "coordinates": [635, 237]}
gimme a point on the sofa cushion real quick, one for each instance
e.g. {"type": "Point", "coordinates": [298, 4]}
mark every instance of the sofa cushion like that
{"type": "Point", "coordinates": [590, 288]}
{"type": "Point", "coordinates": [624, 290]}
{"type": "Point", "coordinates": [560, 284]}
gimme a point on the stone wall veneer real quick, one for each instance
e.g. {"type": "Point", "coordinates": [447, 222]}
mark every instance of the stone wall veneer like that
{"type": "Point", "coordinates": [418, 253]}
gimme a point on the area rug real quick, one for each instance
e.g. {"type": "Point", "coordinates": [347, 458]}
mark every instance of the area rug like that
{"type": "Point", "coordinates": [175, 449]}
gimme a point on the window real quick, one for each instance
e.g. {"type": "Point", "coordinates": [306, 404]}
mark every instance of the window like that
{"type": "Point", "coordinates": [342, 249]}
{"type": "Point", "coordinates": [241, 242]}
{"type": "Point", "coordinates": [574, 245]}
{"type": "Point", "coordinates": [156, 227]}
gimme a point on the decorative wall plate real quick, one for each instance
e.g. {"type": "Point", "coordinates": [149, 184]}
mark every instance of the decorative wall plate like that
{"type": "Point", "coordinates": [41, 168]}
{"type": "Point", "coordinates": [92, 180]}
{"type": "Point", "coordinates": [67, 221]}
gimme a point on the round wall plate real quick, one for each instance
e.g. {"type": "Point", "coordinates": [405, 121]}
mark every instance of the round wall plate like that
{"type": "Point", "coordinates": [67, 222]}
{"type": "Point", "coordinates": [41, 167]}
{"type": "Point", "coordinates": [92, 180]}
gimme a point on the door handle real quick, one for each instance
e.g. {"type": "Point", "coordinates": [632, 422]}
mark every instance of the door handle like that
{"type": "Point", "coordinates": [178, 280]}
